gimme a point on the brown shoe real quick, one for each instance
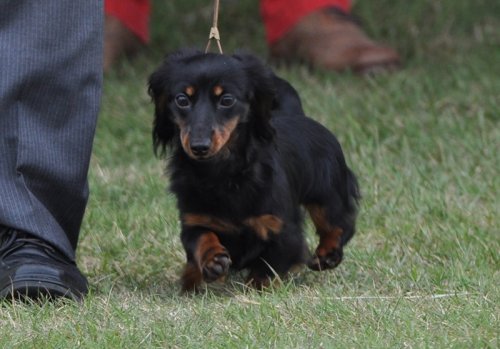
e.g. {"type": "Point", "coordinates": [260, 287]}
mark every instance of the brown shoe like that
{"type": "Point", "coordinates": [118, 41]}
{"type": "Point", "coordinates": [331, 39]}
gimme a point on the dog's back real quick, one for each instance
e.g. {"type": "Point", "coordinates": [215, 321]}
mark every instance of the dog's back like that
{"type": "Point", "coordinates": [287, 101]}
{"type": "Point", "coordinates": [298, 137]}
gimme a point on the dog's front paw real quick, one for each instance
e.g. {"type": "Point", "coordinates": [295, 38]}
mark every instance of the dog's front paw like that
{"type": "Point", "coordinates": [326, 260]}
{"type": "Point", "coordinates": [216, 267]}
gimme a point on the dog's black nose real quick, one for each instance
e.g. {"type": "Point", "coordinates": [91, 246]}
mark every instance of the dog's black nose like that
{"type": "Point", "coordinates": [200, 148]}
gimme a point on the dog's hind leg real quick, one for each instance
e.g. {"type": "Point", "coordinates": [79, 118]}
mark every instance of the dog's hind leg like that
{"type": "Point", "coordinates": [332, 237]}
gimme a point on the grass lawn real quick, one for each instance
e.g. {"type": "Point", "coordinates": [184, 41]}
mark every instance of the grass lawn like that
{"type": "Point", "coordinates": [423, 269]}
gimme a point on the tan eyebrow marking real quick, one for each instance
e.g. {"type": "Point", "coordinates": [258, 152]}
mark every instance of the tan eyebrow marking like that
{"type": "Point", "coordinates": [218, 90]}
{"type": "Point", "coordinates": [190, 91]}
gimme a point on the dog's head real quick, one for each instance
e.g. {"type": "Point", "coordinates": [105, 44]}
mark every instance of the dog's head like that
{"type": "Point", "coordinates": [202, 101]}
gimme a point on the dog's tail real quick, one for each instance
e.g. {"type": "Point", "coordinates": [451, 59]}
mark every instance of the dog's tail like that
{"type": "Point", "coordinates": [353, 192]}
{"type": "Point", "coordinates": [352, 198]}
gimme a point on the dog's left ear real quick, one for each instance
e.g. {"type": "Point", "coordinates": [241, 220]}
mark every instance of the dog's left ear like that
{"type": "Point", "coordinates": [262, 95]}
{"type": "Point", "coordinates": [163, 128]}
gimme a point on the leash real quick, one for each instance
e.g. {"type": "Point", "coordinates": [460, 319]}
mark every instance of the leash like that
{"type": "Point", "coordinates": [214, 31]}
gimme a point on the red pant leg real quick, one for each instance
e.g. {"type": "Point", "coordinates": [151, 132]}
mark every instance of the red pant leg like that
{"type": "Point", "coordinates": [134, 14]}
{"type": "Point", "coordinates": [280, 15]}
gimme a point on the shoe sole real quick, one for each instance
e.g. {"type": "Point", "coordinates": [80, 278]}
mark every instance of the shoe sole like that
{"type": "Point", "coordinates": [37, 290]}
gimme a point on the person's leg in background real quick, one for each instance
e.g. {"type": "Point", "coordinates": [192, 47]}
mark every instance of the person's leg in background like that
{"type": "Point", "coordinates": [50, 90]}
{"type": "Point", "coordinates": [126, 28]}
{"type": "Point", "coordinates": [321, 33]}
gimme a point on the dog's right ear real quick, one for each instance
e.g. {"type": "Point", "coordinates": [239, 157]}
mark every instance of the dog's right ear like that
{"type": "Point", "coordinates": [164, 130]}
{"type": "Point", "coordinates": [261, 79]}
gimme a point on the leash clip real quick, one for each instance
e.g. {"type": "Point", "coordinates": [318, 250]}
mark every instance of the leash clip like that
{"type": "Point", "coordinates": [214, 34]}
{"type": "Point", "coordinates": [214, 31]}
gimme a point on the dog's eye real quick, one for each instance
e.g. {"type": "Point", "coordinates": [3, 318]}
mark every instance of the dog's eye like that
{"type": "Point", "coordinates": [227, 101]}
{"type": "Point", "coordinates": [182, 101]}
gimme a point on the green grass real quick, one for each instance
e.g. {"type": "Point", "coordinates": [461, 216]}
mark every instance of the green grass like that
{"type": "Point", "coordinates": [423, 269]}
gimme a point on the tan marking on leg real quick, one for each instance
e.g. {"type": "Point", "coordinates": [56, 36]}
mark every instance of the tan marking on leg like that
{"type": "Point", "coordinates": [264, 224]}
{"type": "Point", "coordinates": [208, 245]}
{"type": "Point", "coordinates": [211, 257]}
{"type": "Point", "coordinates": [329, 236]}
{"type": "Point", "coordinates": [329, 241]}
{"type": "Point", "coordinates": [191, 277]}
{"type": "Point", "coordinates": [209, 222]}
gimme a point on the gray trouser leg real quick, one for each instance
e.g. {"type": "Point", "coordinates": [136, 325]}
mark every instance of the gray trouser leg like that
{"type": "Point", "coordinates": [50, 89]}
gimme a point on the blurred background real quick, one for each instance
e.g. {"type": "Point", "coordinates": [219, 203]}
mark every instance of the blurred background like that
{"type": "Point", "coordinates": [419, 29]}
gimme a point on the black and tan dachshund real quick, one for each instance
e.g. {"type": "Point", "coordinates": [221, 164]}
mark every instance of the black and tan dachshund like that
{"type": "Point", "coordinates": [244, 161]}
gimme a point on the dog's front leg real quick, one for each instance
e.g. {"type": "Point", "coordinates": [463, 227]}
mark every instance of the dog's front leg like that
{"type": "Point", "coordinates": [207, 259]}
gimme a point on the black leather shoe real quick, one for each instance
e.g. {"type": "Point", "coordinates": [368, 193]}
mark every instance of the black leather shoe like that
{"type": "Point", "coordinates": [31, 268]}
